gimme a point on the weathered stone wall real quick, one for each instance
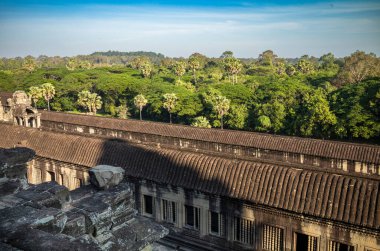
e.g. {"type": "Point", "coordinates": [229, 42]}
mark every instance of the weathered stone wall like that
{"type": "Point", "coordinates": [68, 175]}
{"type": "Point", "coordinates": [262, 218]}
{"type": "Point", "coordinates": [233, 151]}
{"type": "Point", "coordinates": [48, 217]}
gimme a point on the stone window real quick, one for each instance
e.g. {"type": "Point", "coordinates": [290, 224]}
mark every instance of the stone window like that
{"type": "Point", "coordinates": [50, 176]}
{"type": "Point", "coordinates": [337, 246]}
{"type": "Point", "coordinates": [192, 217]}
{"type": "Point", "coordinates": [273, 238]}
{"type": "Point", "coordinates": [169, 211]}
{"type": "Point", "coordinates": [147, 204]}
{"type": "Point", "coordinates": [341, 164]}
{"type": "Point", "coordinates": [244, 230]}
{"type": "Point", "coordinates": [316, 161]}
{"type": "Point", "coordinates": [216, 224]}
{"type": "Point", "coordinates": [256, 153]}
{"type": "Point", "coordinates": [285, 156]}
{"type": "Point", "coordinates": [77, 182]}
{"type": "Point", "coordinates": [303, 242]}
{"type": "Point", "coordinates": [302, 159]}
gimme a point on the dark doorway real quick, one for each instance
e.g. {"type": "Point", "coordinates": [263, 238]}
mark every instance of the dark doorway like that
{"type": "Point", "coordinates": [305, 242]}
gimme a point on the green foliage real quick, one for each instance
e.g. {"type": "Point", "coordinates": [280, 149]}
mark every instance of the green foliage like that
{"type": "Point", "coordinates": [237, 117]}
{"type": "Point", "coordinates": [186, 85]}
{"type": "Point", "coordinates": [315, 116]}
{"type": "Point", "coordinates": [140, 101]}
{"type": "Point", "coordinates": [305, 66]}
{"type": "Point", "coordinates": [301, 97]}
{"type": "Point", "coordinates": [146, 69]}
{"type": "Point", "coordinates": [91, 101]}
{"type": "Point", "coordinates": [75, 63]}
{"type": "Point", "coordinates": [48, 92]}
{"type": "Point", "coordinates": [122, 112]}
{"type": "Point", "coordinates": [35, 93]}
{"type": "Point", "coordinates": [232, 66]}
{"type": "Point", "coordinates": [267, 58]}
{"type": "Point", "coordinates": [275, 112]}
{"type": "Point", "coordinates": [221, 106]}
{"type": "Point", "coordinates": [170, 100]}
{"type": "Point", "coordinates": [196, 61]}
{"type": "Point", "coordinates": [29, 64]}
{"type": "Point", "coordinates": [201, 122]}
{"type": "Point", "coordinates": [179, 69]}
{"type": "Point", "coordinates": [358, 67]}
{"type": "Point", "coordinates": [263, 124]}
{"type": "Point", "coordinates": [357, 110]}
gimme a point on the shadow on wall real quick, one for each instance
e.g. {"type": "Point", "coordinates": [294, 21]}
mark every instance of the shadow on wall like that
{"type": "Point", "coordinates": [192, 172]}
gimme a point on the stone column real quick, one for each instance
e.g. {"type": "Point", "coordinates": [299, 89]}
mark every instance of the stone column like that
{"type": "Point", "coordinates": [203, 228]}
{"type": "Point", "coordinates": [157, 209]}
{"type": "Point", "coordinates": [20, 122]}
{"type": "Point", "coordinates": [38, 121]}
{"type": "Point", "coordinates": [26, 122]}
{"type": "Point", "coordinates": [34, 122]}
{"type": "Point", "coordinates": [1, 111]}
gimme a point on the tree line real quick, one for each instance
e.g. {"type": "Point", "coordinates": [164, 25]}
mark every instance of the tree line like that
{"type": "Point", "coordinates": [321, 97]}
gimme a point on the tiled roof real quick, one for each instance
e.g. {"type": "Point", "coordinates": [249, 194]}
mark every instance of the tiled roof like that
{"type": "Point", "coordinates": [315, 147]}
{"type": "Point", "coordinates": [348, 199]}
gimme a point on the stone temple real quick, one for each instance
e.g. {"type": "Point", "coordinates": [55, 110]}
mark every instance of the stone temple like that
{"type": "Point", "coordinates": [218, 189]}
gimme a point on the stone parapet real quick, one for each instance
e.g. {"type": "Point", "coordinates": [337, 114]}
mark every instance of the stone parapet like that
{"type": "Point", "coordinates": [49, 217]}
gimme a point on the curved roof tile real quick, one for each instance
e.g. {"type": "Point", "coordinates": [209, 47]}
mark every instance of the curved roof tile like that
{"type": "Point", "coordinates": [348, 199]}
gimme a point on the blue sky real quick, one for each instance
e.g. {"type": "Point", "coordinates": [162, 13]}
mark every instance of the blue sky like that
{"type": "Point", "coordinates": [179, 28]}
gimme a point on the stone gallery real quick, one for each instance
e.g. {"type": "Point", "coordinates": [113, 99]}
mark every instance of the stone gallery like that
{"type": "Point", "coordinates": [212, 189]}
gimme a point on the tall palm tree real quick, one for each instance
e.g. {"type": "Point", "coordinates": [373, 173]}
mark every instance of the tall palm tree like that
{"type": "Point", "coordinates": [221, 106]}
{"type": "Point", "coordinates": [48, 92]}
{"type": "Point", "coordinates": [90, 101]}
{"type": "Point", "coordinates": [170, 102]}
{"type": "Point", "coordinates": [179, 69]}
{"type": "Point", "coordinates": [35, 93]}
{"type": "Point", "coordinates": [95, 101]}
{"type": "Point", "coordinates": [140, 101]}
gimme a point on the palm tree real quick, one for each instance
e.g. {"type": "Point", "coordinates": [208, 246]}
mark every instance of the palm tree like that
{"type": "Point", "coordinates": [95, 101]}
{"type": "Point", "coordinates": [90, 101]}
{"type": "Point", "coordinates": [196, 62]}
{"type": "Point", "coordinates": [48, 92]}
{"type": "Point", "coordinates": [233, 67]}
{"type": "Point", "coordinates": [140, 101]}
{"type": "Point", "coordinates": [170, 102]}
{"type": "Point", "coordinates": [179, 69]}
{"type": "Point", "coordinates": [35, 93]}
{"type": "Point", "coordinates": [221, 106]}
{"type": "Point", "coordinates": [201, 122]}
{"type": "Point", "coordinates": [29, 64]}
{"type": "Point", "coordinates": [146, 69]}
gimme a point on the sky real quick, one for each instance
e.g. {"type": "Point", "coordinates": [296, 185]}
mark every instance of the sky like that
{"type": "Point", "coordinates": [180, 28]}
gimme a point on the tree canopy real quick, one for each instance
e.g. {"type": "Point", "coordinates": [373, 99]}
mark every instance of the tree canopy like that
{"type": "Point", "coordinates": [324, 97]}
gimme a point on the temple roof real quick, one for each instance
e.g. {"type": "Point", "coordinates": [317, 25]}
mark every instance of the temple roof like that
{"type": "Point", "coordinates": [344, 198]}
{"type": "Point", "coordinates": [322, 148]}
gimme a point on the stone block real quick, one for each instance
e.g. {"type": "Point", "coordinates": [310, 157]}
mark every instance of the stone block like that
{"type": "Point", "coordinates": [48, 194]}
{"type": "Point", "coordinates": [104, 176]}
{"type": "Point", "coordinates": [75, 224]}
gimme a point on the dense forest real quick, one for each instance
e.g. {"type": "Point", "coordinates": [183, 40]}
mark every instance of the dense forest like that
{"type": "Point", "coordinates": [324, 97]}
